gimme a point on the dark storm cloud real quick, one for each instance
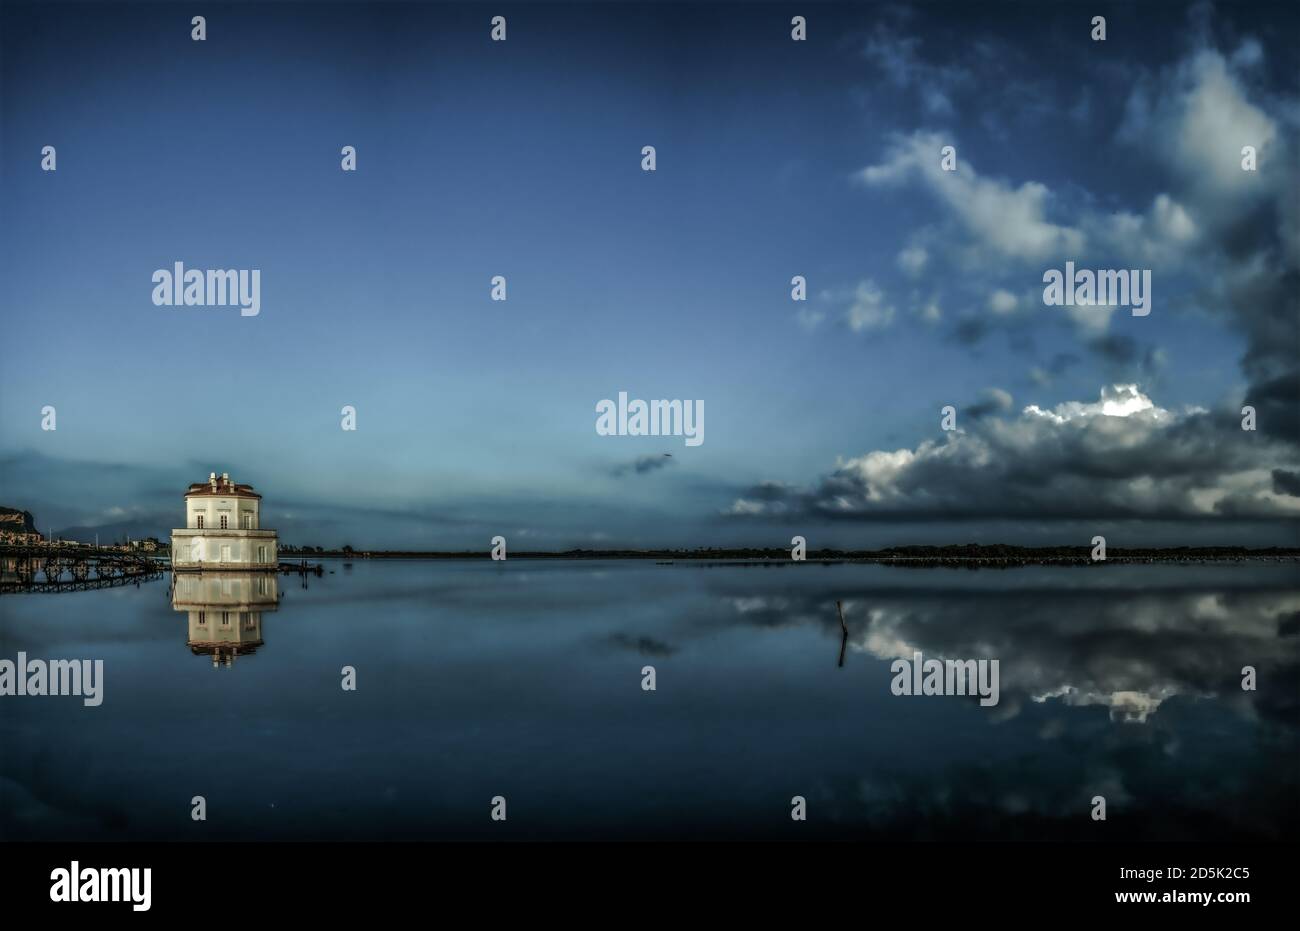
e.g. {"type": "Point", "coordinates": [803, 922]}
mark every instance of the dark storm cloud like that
{"type": "Point", "coordinates": [1277, 406]}
{"type": "Point", "coordinates": [1286, 483]}
{"type": "Point", "coordinates": [1121, 457]}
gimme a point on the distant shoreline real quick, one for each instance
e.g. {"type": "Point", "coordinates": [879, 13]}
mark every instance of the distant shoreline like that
{"type": "Point", "coordinates": [969, 555]}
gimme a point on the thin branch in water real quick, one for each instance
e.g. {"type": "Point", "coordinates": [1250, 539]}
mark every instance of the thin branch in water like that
{"type": "Point", "coordinates": [844, 633]}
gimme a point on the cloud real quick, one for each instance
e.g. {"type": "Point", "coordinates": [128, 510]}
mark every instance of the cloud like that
{"type": "Point", "coordinates": [762, 499]}
{"type": "Point", "coordinates": [869, 310]}
{"type": "Point", "coordinates": [1198, 117]}
{"type": "Point", "coordinates": [1002, 301]}
{"type": "Point", "coordinates": [1221, 241]}
{"type": "Point", "coordinates": [897, 57]}
{"type": "Point", "coordinates": [1286, 483]}
{"type": "Point", "coordinates": [1060, 363]}
{"type": "Point", "coordinates": [995, 400]}
{"type": "Point", "coordinates": [1163, 236]}
{"type": "Point", "coordinates": [809, 319]}
{"type": "Point", "coordinates": [1119, 457]}
{"type": "Point", "coordinates": [929, 311]}
{"type": "Point", "coordinates": [646, 646]}
{"type": "Point", "coordinates": [1125, 353]}
{"type": "Point", "coordinates": [1240, 229]}
{"type": "Point", "coordinates": [1009, 222]}
{"type": "Point", "coordinates": [642, 465]}
{"type": "Point", "coordinates": [912, 260]}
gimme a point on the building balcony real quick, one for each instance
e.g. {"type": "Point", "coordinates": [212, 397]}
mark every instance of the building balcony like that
{"type": "Point", "coordinates": [200, 549]}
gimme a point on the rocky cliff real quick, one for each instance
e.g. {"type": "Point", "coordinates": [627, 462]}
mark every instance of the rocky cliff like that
{"type": "Point", "coordinates": [16, 521]}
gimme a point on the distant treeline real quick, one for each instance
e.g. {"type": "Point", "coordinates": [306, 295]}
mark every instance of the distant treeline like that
{"type": "Point", "coordinates": [960, 552]}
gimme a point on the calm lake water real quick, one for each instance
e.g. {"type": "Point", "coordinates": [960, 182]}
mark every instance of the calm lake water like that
{"type": "Point", "coordinates": [523, 679]}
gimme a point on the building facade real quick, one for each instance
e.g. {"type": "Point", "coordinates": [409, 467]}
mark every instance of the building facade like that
{"type": "Point", "coordinates": [223, 529]}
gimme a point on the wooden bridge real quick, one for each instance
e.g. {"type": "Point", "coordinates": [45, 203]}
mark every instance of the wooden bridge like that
{"type": "Point", "coordinates": [70, 568]}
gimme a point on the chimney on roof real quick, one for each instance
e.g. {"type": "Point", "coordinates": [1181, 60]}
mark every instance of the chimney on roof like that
{"type": "Point", "coordinates": [225, 477]}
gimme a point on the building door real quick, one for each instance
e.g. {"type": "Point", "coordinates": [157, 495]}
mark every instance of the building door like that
{"type": "Point", "coordinates": [225, 552]}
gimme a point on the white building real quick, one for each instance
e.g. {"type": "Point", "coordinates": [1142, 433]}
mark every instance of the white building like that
{"type": "Point", "coordinates": [222, 529]}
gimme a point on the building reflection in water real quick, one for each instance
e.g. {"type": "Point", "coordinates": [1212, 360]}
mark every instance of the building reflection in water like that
{"type": "Point", "coordinates": [225, 611]}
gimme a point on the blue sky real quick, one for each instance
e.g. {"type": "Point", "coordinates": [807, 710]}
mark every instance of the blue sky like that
{"type": "Point", "coordinates": [775, 158]}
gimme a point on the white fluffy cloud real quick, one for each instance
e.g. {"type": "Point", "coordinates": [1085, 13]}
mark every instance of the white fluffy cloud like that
{"type": "Point", "coordinates": [870, 310]}
{"type": "Point", "coordinates": [1002, 301]}
{"type": "Point", "coordinates": [1198, 115]}
{"type": "Point", "coordinates": [912, 260]}
{"type": "Point", "coordinates": [1010, 221]}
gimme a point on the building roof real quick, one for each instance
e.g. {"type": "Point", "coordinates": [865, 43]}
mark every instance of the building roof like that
{"type": "Point", "coordinates": [221, 486]}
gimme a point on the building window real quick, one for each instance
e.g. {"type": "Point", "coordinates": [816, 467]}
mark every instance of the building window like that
{"type": "Point", "coordinates": [246, 619]}
{"type": "Point", "coordinates": [200, 522]}
{"type": "Point", "coordinates": [225, 618]}
{"type": "Point", "coordinates": [203, 619]}
{"type": "Point", "coordinates": [223, 521]}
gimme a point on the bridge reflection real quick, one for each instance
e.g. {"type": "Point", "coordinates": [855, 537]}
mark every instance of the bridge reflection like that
{"type": "Point", "coordinates": [72, 568]}
{"type": "Point", "coordinates": [225, 611]}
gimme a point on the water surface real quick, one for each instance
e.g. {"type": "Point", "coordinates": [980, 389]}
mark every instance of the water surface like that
{"type": "Point", "coordinates": [523, 679]}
